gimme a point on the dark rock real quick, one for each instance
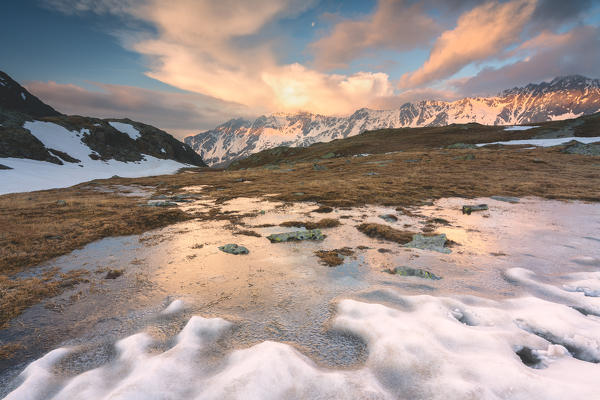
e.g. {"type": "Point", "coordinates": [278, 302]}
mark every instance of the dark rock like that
{"type": "Point", "coordinates": [113, 274]}
{"type": "Point", "coordinates": [233, 248]}
{"type": "Point", "coordinates": [434, 243]}
{"type": "Point", "coordinates": [4, 167]}
{"type": "Point", "coordinates": [318, 167]}
{"type": "Point", "coordinates": [469, 209]}
{"type": "Point", "coordinates": [312, 234]}
{"type": "Point", "coordinates": [575, 147]}
{"type": "Point", "coordinates": [160, 203]}
{"type": "Point", "coordinates": [15, 97]}
{"type": "Point", "coordinates": [61, 203]}
{"type": "Point", "coordinates": [417, 272]}
{"type": "Point", "coordinates": [389, 217]}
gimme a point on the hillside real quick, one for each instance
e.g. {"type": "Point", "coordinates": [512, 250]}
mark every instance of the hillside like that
{"type": "Point", "coordinates": [41, 148]}
{"type": "Point", "coordinates": [562, 98]}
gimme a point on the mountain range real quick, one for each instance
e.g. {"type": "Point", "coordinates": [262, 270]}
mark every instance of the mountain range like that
{"type": "Point", "coordinates": [562, 98]}
{"type": "Point", "coordinates": [41, 148]}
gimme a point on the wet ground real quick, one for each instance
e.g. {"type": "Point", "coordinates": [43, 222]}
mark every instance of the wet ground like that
{"type": "Point", "coordinates": [280, 292]}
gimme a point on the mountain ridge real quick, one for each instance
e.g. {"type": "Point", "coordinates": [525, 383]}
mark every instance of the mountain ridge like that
{"type": "Point", "coordinates": [561, 98]}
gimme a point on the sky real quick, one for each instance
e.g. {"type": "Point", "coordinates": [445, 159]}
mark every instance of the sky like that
{"type": "Point", "coordinates": [186, 66]}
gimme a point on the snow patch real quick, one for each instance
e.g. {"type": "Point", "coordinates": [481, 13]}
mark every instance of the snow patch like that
{"type": "Point", "coordinates": [23, 96]}
{"type": "Point", "coordinates": [546, 142]}
{"type": "Point", "coordinates": [426, 348]}
{"type": "Point", "coordinates": [567, 115]}
{"type": "Point", "coordinates": [128, 129]}
{"type": "Point", "coordinates": [519, 128]}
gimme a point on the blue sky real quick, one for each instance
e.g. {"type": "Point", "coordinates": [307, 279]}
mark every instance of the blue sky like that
{"type": "Point", "coordinates": [188, 65]}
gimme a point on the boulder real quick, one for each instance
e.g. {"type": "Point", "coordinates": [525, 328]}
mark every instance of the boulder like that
{"type": "Point", "coordinates": [389, 217]}
{"type": "Point", "coordinates": [311, 234]}
{"type": "Point", "coordinates": [233, 248]}
{"type": "Point", "coordinates": [435, 243]}
{"type": "Point", "coordinates": [419, 273]}
{"type": "Point", "coordinates": [469, 209]}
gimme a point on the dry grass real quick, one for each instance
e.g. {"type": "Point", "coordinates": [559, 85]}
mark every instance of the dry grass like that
{"type": "Point", "coordinates": [36, 227]}
{"type": "Point", "coordinates": [324, 223]}
{"type": "Point", "coordinates": [333, 258]}
{"type": "Point", "coordinates": [16, 294]}
{"type": "Point", "coordinates": [380, 231]}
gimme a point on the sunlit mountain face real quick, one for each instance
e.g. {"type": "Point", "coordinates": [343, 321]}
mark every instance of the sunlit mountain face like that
{"type": "Point", "coordinates": [561, 98]}
{"type": "Point", "coordinates": [190, 66]}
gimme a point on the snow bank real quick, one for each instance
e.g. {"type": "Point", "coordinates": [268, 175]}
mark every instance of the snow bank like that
{"type": "Point", "coordinates": [28, 175]}
{"type": "Point", "coordinates": [546, 142]}
{"type": "Point", "coordinates": [519, 128]}
{"type": "Point", "coordinates": [425, 348]}
{"type": "Point", "coordinates": [126, 128]}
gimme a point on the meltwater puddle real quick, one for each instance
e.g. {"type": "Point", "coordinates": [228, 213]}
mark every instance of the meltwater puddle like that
{"type": "Point", "coordinates": [515, 315]}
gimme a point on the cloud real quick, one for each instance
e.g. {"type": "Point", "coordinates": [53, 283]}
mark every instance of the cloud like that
{"type": "Point", "coordinates": [394, 25]}
{"type": "Point", "coordinates": [545, 56]}
{"type": "Point", "coordinates": [480, 34]}
{"type": "Point", "coordinates": [180, 114]}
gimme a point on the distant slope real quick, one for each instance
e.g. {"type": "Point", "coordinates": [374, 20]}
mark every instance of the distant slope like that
{"type": "Point", "coordinates": [41, 148]}
{"type": "Point", "coordinates": [562, 98]}
{"type": "Point", "coordinates": [420, 139]}
{"type": "Point", "coordinates": [14, 97]}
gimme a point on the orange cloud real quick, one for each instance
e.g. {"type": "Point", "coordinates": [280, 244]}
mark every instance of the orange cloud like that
{"type": "Point", "coordinates": [394, 25]}
{"type": "Point", "coordinates": [480, 33]}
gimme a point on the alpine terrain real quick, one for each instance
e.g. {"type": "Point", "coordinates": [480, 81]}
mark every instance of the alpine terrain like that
{"type": "Point", "coordinates": [41, 148]}
{"type": "Point", "coordinates": [562, 98]}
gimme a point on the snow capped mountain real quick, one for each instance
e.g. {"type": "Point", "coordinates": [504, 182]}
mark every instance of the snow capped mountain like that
{"type": "Point", "coordinates": [562, 98]}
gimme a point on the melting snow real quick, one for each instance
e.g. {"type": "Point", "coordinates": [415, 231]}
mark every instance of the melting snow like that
{"type": "Point", "coordinates": [28, 175]}
{"type": "Point", "coordinates": [519, 128]}
{"type": "Point", "coordinates": [126, 128]}
{"type": "Point", "coordinates": [426, 348]}
{"type": "Point", "coordinates": [546, 142]}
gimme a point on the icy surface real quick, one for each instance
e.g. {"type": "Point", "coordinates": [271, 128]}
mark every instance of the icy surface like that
{"type": "Point", "coordinates": [519, 128]}
{"type": "Point", "coordinates": [128, 129]}
{"type": "Point", "coordinates": [279, 325]}
{"type": "Point", "coordinates": [546, 142]}
{"type": "Point", "coordinates": [27, 175]}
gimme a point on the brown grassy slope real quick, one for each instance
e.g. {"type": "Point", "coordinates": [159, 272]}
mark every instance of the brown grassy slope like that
{"type": "Point", "coordinates": [35, 227]}
{"type": "Point", "coordinates": [413, 139]}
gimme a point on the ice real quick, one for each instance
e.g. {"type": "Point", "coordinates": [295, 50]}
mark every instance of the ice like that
{"type": "Point", "coordinates": [519, 128]}
{"type": "Point", "coordinates": [175, 307]}
{"type": "Point", "coordinates": [425, 347]}
{"type": "Point", "coordinates": [128, 129]}
{"type": "Point", "coordinates": [546, 142]}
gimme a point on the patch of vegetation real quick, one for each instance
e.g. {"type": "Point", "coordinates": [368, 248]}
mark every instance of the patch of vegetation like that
{"type": "Point", "coordinates": [324, 223]}
{"type": "Point", "coordinates": [380, 231]}
{"type": "Point", "coordinates": [333, 258]}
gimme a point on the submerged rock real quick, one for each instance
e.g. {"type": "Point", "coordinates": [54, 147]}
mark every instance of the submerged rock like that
{"type": "Point", "coordinates": [469, 209]}
{"type": "Point", "coordinates": [507, 199]}
{"type": "Point", "coordinates": [419, 273]}
{"type": "Point", "coordinates": [434, 243]}
{"type": "Point", "coordinates": [389, 217]}
{"type": "Point", "coordinates": [312, 234]}
{"type": "Point", "coordinates": [233, 248]}
{"type": "Point", "coordinates": [113, 274]}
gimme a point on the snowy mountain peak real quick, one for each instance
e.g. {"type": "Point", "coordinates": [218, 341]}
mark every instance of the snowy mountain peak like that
{"type": "Point", "coordinates": [563, 97]}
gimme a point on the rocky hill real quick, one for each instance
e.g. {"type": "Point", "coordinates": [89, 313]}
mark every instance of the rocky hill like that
{"type": "Point", "coordinates": [45, 148]}
{"type": "Point", "coordinates": [562, 98]}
